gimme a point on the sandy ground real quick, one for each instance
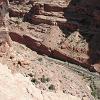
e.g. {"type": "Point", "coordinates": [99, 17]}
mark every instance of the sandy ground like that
{"type": "Point", "coordinates": [46, 75]}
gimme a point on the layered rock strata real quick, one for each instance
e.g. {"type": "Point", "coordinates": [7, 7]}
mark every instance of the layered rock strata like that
{"type": "Point", "coordinates": [77, 25]}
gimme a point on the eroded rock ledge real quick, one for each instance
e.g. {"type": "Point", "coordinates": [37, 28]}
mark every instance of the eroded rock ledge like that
{"type": "Point", "coordinates": [77, 23]}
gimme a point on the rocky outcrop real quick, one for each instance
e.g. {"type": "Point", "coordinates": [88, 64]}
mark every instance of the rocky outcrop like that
{"type": "Point", "coordinates": [17, 87]}
{"type": "Point", "coordinates": [19, 10]}
{"type": "Point", "coordinates": [77, 21]}
{"type": "Point", "coordinates": [40, 47]}
{"type": "Point", "coordinates": [41, 12]}
{"type": "Point", "coordinates": [5, 42]}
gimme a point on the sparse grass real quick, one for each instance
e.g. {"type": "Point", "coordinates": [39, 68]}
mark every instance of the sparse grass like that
{"type": "Point", "coordinates": [94, 91]}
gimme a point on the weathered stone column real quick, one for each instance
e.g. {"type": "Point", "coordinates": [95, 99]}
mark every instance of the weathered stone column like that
{"type": "Point", "coordinates": [5, 41]}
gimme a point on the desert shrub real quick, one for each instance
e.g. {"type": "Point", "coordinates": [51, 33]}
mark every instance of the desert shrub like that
{"type": "Point", "coordinates": [51, 87]}
{"type": "Point", "coordinates": [35, 81]}
{"type": "Point", "coordinates": [44, 79]}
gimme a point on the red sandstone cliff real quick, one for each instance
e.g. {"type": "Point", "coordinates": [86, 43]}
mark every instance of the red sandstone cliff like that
{"type": "Point", "coordinates": [77, 25]}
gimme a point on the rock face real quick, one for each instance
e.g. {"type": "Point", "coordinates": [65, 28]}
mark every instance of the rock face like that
{"type": "Point", "coordinates": [67, 30]}
{"type": "Point", "coordinates": [5, 41]}
{"type": "Point", "coordinates": [18, 87]}
{"type": "Point", "coordinates": [77, 22]}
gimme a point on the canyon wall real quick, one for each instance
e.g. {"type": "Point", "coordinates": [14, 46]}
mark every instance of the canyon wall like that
{"type": "Point", "coordinates": [77, 24]}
